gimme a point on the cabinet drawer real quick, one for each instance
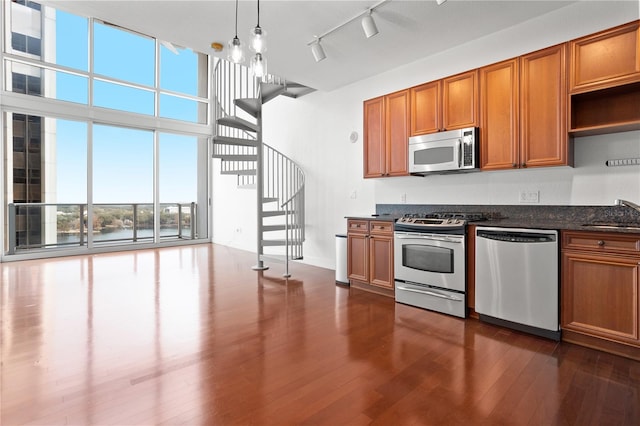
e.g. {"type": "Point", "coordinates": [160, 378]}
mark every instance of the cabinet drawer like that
{"type": "Point", "coordinates": [601, 242]}
{"type": "Point", "coordinates": [381, 227]}
{"type": "Point", "coordinates": [359, 226]}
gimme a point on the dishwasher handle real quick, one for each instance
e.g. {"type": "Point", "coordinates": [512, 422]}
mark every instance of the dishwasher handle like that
{"type": "Point", "coordinates": [516, 237]}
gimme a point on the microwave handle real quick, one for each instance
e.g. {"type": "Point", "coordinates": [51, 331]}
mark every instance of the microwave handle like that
{"type": "Point", "coordinates": [459, 153]}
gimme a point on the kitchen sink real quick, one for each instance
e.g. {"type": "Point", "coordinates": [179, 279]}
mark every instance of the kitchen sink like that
{"type": "Point", "coordinates": [630, 226]}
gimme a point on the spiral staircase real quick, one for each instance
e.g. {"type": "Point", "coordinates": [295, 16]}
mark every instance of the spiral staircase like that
{"type": "Point", "coordinates": [278, 181]}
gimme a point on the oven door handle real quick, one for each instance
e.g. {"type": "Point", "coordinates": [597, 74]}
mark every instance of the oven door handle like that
{"type": "Point", "coordinates": [430, 293]}
{"type": "Point", "coordinates": [428, 237]}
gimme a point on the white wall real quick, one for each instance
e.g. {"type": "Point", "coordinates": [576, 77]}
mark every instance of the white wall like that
{"type": "Point", "coordinates": [314, 130]}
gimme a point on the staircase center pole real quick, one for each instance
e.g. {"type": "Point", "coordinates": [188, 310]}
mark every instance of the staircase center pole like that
{"type": "Point", "coordinates": [259, 187]}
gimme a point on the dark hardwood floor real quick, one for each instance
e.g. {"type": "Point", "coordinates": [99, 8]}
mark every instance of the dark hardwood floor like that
{"type": "Point", "coordinates": [192, 335]}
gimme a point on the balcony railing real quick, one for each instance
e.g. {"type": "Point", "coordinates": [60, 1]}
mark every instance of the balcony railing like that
{"type": "Point", "coordinates": [33, 226]}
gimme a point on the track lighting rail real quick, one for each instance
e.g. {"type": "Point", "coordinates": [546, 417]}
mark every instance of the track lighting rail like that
{"type": "Point", "coordinates": [348, 21]}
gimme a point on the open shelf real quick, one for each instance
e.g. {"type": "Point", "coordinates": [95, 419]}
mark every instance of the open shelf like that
{"type": "Point", "coordinates": [615, 109]}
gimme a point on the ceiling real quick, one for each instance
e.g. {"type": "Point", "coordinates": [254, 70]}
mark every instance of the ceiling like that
{"type": "Point", "coordinates": [408, 30]}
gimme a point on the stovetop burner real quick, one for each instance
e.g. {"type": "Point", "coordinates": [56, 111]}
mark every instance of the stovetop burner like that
{"type": "Point", "coordinates": [437, 220]}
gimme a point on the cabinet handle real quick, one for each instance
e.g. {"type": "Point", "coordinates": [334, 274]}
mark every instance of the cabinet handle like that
{"type": "Point", "coordinates": [600, 242]}
{"type": "Point", "coordinates": [524, 165]}
{"type": "Point", "coordinates": [515, 166]}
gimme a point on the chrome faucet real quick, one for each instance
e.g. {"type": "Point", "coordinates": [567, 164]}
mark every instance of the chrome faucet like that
{"type": "Point", "coordinates": [626, 203]}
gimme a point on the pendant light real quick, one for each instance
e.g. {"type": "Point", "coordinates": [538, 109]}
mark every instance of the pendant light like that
{"type": "Point", "coordinates": [259, 65]}
{"type": "Point", "coordinates": [259, 45]}
{"type": "Point", "coordinates": [258, 36]}
{"type": "Point", "coordinates": [236, 54]}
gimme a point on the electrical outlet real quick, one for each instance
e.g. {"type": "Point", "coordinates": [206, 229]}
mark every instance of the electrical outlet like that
{"type": "Point", "coordinates": [529, 197]}
{"type": "Point", "coordinates": [403, 198]}
{"type": "Point", "coordinates": [354, 195]}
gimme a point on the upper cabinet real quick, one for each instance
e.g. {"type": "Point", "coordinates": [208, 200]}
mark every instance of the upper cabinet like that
{"type": "Point", "coordinates": [447, 104]}
{"type": "Point", "coordinates": [523, 112]}
{"type": "Point", "coordinates": [386, 134]}
{"type": "Point", "coordinates": [544, 140]}
{"type": "Point", "coordinates": [460, 101]}
{"type": "Point", "coordinates": [608, 58]}
{"type": "Point", "coordinates": [499, 146]}
{"type": "Point", "coordinates": [605, 81]}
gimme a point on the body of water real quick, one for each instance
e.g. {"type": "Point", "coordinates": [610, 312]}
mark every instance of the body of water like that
{"type": "Point", "coordinates": [123, 234]}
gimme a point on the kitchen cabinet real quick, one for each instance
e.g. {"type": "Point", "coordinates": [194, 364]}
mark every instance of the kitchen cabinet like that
{"type": "Point", "coordinates": [447, 104]}
{"type": "Point", "coordinates": [605, 59]}
{"type": "Point", "coordinates": [523, 112]}
{"type": "Point", "coordinates": [386, 132]}
{"type": "Point", "coordinates": [600, 291]}
{"type": "Point", "coordinates": [370, 255]}
{"type": "Point", "coordinates": [605, 81]}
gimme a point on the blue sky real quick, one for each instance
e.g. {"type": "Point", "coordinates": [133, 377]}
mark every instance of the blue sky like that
{"type": "Point", "coordinates": [123, 158]}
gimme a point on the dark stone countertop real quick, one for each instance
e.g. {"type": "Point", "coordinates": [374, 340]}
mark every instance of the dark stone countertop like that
{"type": "Point", "coordinates": [580, 218]}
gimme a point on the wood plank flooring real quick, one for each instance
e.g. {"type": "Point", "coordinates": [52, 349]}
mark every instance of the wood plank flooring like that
{"type": "Point", "coordinates": [192, 335]}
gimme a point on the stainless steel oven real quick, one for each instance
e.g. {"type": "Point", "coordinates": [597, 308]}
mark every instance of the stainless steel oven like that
{"type": "Point", "coordinates": [430, 263]}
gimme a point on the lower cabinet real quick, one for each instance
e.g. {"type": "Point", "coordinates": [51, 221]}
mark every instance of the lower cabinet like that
{"type": "Point", "coordinates": [370, 255]}
{"type": "Point", "coordinates": [601, 291]}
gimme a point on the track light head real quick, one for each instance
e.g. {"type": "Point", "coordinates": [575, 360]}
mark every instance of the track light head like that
{"type": "Point", "coordinates": [369, 26]}
{"type": "Point", "coordinates": [318, 51]}
{"type": "Point", "coordinates": [440, 2]}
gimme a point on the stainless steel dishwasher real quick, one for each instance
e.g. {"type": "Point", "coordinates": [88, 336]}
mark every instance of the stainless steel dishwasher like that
{"type": "Point", "coordinates": [517, 279]}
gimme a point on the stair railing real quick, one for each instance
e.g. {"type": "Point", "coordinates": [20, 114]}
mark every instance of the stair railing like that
{"type": "Point", "coordinates": [233, 81]}
{"type": "Point", "coordinates": [284, 180]}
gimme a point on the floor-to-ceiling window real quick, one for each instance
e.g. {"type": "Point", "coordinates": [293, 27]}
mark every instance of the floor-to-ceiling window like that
{"type": "Point", "coordinates": [105, 135]}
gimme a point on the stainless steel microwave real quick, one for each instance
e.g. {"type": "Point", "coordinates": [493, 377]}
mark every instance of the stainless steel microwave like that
{"type": "Point", "coordinates": [444, 152]}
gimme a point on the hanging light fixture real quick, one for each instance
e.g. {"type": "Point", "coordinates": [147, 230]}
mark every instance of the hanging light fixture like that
{"type": "Point", "coordinates": [369, 25]}
{"type": "Point", "coordinates": [259, 45]}
{"type": "Point", "coordinates": [236, 55]}
{"type": "Point", "coordinates": [318, 51]}
{"type": "Point", "coordinates": [258, 36]}
{"type": "Point", "coordinates": [259, 65]}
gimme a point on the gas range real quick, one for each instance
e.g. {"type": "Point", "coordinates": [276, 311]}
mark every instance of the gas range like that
{"type": "Point", "coordinates": [437, 222]}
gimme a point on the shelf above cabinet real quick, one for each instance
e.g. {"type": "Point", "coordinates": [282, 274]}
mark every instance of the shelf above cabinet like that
{"type": "Point", "coordinates": [615, 109]}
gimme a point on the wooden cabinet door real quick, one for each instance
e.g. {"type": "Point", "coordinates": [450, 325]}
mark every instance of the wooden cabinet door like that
{"type": "Point", "coordinates": [499, 116]}
{"type": "Point", "coordinates": [397, 133]}
{"type": "Point", "coordinates": [600, 296]}
{"type": "Point", "coordinates": [460, 101]}
{"type": "Point", "coordinates": [425, 108]}
{"type": "Point", "coordinates": [358, 257]}
{"type": "Point", "coordinates": [381, 261]}
{"type": "Point", "coordinates": [607, 58]}
{"type": "Point", "coordinates": [374, 138]}
{"type": "Point", "coordinates": [543, 104]}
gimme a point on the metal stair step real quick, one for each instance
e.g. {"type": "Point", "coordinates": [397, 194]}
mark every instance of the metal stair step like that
{"type": "Point", "coordinates": [273, 243]}
{"type": "Point", "coordinates": [272, 213]}
{"type": "Point", "coordinates": [269, 91]}
{"type": "Point", "coordinates": [251, 106]}
{"type": "Point", "coordinates": [282, 227]}
{"type": "Point", "coordinates": [269, 200]}
{"type": "Point", "coordinates": [248, 172]}
{"type": "Point", "coordinates": [238, 123]}
{"type": "Point", "coordinates": [228, 140]}
{"type": "Point", "coordinates": [236, 157]}
{"type": "Point", "coordinates": [248, 186]}
{"type": "Point", "coordinates": [295, 90]}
